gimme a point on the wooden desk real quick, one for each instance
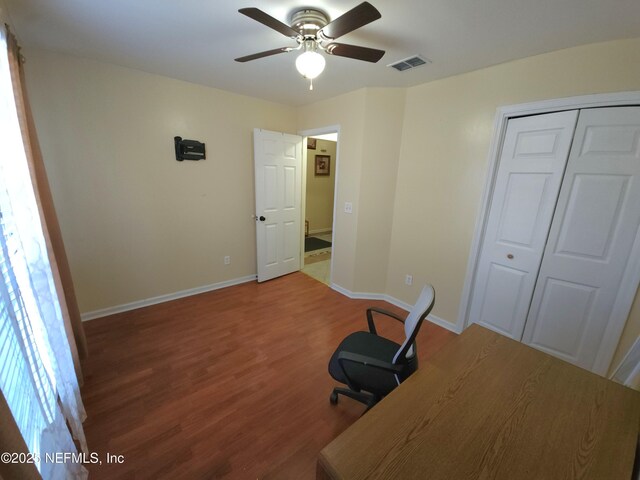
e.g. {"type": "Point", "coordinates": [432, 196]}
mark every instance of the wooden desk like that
{"type": "Point", "coordinates": [489, 407]}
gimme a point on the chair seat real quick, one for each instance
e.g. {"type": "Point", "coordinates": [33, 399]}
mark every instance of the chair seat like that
{"type": "Point", "coordinates": [365, 343]}
{"type": "Point", "coordinates": [368, 383]}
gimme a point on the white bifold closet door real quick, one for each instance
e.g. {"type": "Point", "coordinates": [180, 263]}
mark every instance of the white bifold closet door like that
{"type": "Point", "coordinates": [564, 216]}
{"type": "Point", "coordinates": [591, 237]}
{"type": "Point", "coordinates": [532, 162]}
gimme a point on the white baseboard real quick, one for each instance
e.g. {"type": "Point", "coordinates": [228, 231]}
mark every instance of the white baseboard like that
{"type": "Point", "coordinates": [164, 298]}
{"type": "Point", "coordinates": [446, 324]}
{"type": "Point", "coordinates": [441, 322]}
{"type": "Point", "coordinates": [357, 295]}
{"type": "Point", "coordinates": [250, 278]}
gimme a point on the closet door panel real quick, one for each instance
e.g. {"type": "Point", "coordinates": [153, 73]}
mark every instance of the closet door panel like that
{"type": "Point", "coordinates": [592, 197]}
{"type": "Point", "coordinates": [571, 302]}
{"type": "Point", "coordinates": [532, 163]}
{"type": "Point", "coordinates": [591, 236]}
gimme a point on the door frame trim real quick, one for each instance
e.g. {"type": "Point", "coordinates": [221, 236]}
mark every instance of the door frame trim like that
{"type": "Point", "coordinates": [309, 133]}
{"type": "Point", "coordinates": [631, 276]}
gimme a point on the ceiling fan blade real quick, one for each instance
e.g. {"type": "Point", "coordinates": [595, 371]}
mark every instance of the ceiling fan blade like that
{"type": "Point", "coordinates": [266, 19]}
{"type": "Point", "coordinates": [266, 53]}
{"type": "Point", "coordinates": [355, 18]}
{"type": "Point", "coordinates": [353, 51]}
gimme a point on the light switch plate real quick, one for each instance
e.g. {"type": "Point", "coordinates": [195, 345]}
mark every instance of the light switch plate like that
{"type": "Point", "coordinates": [348, 207]}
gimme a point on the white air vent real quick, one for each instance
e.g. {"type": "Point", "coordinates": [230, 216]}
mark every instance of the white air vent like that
{"type": "Point", "coordinates": [409, 63]}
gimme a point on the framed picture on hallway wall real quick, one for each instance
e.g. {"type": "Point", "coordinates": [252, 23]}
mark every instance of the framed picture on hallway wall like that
{"type": "Point", "coordinates": [311, 143]}
{"type": "Point", "coordinates": [323, 163]}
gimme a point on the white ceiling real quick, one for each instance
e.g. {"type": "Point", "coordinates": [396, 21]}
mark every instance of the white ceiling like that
{"type": "Point", "coordinates": [197, 40]}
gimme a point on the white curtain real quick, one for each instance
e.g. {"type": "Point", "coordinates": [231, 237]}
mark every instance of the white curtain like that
{"type": "Point", "coordinates": [37, 375]}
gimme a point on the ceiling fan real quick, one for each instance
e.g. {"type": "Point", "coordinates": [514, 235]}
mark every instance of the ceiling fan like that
{"type": "Point", "coordinates": [313, 32]}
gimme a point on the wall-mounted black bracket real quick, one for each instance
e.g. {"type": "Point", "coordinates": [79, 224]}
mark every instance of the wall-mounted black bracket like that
{"type": "Point", "coordinates": [189, 149]}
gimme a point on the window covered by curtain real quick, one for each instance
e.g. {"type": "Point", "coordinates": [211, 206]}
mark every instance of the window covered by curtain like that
{"type": "Point", "coordinates": [37, 375]}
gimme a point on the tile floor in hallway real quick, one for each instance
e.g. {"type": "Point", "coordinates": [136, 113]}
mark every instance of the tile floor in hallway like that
{"type": "Point", "coordinates": [317, 264]}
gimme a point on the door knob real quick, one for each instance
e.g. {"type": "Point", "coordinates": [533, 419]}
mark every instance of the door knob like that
{"type": "Point", "coordinates": [510, 256]}
{"type": "Point", "coordinates": [261, 218]}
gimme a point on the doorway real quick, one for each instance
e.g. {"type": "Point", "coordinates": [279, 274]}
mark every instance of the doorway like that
{"type": "Point", "coordinates": [319, 185]}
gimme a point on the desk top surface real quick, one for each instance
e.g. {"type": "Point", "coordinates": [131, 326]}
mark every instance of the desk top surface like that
{"type": "Point", "coordinates": [487, 406]}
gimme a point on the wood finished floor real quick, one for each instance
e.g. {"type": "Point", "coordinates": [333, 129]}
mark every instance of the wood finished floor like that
{"type": "Point", "coordinates": [229, 384]}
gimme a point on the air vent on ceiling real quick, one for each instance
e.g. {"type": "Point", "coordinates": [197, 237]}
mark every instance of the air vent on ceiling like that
{"type": "Point", "coordinates": [409, 63]}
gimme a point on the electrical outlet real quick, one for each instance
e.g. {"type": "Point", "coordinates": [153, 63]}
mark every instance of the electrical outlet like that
{"type": "Point", "coordinates": [227, 260]}
{"type": "Point", "coordinates": [348, 207]}
{"type": "Point", "coordinates": [408, 279]}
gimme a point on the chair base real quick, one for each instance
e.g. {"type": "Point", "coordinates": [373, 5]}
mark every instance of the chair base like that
{"type": "Point", "coordinates": [367, 398]}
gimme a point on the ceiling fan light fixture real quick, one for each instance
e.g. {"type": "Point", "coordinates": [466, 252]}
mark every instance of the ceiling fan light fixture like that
{"type": "Point", "coordinates": [310, 64]}
{"type": "Point", "coordinates": [310, 26]}
{"type": "Point", "coordinates": [314, 33]}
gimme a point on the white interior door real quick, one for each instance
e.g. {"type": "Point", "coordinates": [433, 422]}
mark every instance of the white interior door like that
{"type": "Point", "coordinates": [591, 237]}
{"type": "Point", "coordinates": [532, 163]}
{"type": "Point", "coordinates": [278, 177]}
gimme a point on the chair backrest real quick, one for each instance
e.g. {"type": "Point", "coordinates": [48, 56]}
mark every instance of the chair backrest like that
{"type": "Point", "coordinates": [412, 324]}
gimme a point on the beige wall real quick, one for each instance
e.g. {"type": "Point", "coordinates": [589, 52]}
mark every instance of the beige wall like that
{"type": "Point", "coordinates": [320, 189]}
{"type": "Point", "coordinates": [384, 110]}
{"type": "Point", "coordinates": [4, 17]}
{"type": "Point", "coordinates": [412, 161]}
{"type": "Point", "coordinates": [448, 125]}
{"type": "Point", "coordinates": [370, 123]}
{"type": "Point", "coordinates": [137, 223]}
{"type": "Point", "coordinates": [347, 112]}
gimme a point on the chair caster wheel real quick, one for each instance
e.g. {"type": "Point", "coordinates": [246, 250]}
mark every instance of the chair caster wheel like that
{"type": "Point", "coordinates": [333, 398]}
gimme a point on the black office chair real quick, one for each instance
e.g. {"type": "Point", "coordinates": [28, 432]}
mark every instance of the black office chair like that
{"type": "Point", "coordinates": [371, 365]}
